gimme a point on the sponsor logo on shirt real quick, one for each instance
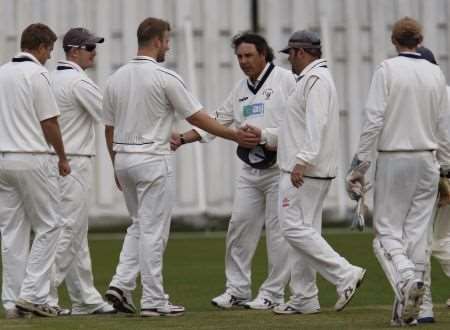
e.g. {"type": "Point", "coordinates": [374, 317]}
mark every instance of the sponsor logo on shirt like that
{"type": "Point", "coordinates": [285, 202]}
{"type": "Point", "coordinates": [243, 99]}
{"type": "Point", "coordinates": [267, 93]}
{"type": "Point", "coordinates": [253, 110]}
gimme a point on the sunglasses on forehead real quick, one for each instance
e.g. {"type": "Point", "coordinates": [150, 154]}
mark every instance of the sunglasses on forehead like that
{"type": "Point", "coordinates": [88, 47]}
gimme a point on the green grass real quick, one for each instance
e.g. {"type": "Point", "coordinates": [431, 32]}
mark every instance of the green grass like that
{"type": "Point", "coordinates": [194, 273]}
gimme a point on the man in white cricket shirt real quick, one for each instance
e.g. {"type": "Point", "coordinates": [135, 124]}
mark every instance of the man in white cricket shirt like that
{"type": "Point", "coordinates": [307, 156]}
{"type": "Point", "coordinates": [28, 181]}
{"type": "Point", "coordinates": [80, 102]}
{"type": "Point", "coordinates": [139, 105]}
{"type": "Point", "coordinates": [407, 120]}
{"type": "Point", "coordinates": [257, 103]}
{"type": "Point", "coordinates": [439, 238]}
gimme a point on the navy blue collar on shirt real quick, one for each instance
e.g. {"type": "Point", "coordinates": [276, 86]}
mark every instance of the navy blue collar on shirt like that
{"type": "Point", "coordinates": [21, 59]}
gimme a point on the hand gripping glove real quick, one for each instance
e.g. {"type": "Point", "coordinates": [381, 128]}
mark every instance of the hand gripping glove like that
{"type": "Point", "coordinates": [354, 181]}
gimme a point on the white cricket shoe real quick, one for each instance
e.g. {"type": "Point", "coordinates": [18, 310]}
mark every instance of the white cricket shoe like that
{"type": "Point", "coordinates": [260, 303]}
{"type": "Point", "coordinates": [413, 292]}
{"type": "Point", "coordinates": [169, 310]}
{"type": "Point", "coordinates": [101, 309]}
{"type": "Point", "coordinates": [288, 309]}
{"type": "Point", "coordinates": [350, 289]}
{"type": "Point", "coordinates": [62, 311]}
{"type": "Point", "coordinates": [448, 302]}
{"type": "Point", "coordinates": [226, 300]}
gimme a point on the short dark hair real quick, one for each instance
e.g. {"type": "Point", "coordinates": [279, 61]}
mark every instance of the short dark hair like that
{"type": "Point", "coordinates": [252, 38]}
{"type": "Point", "coordinates": [407, 32]}
{"type": "Point", "coordinates": [36, 34]}
{"type": "Point", "coordinates": [150, 28]}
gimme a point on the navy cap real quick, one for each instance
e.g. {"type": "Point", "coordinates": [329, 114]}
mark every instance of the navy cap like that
{"type": "Point", "coordinates": [303, 39]}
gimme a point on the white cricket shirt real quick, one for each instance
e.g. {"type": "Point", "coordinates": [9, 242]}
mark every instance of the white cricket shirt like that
{"type": "Point", "coordinates": [80, 102]}
{"type": "Point", "coordinates": [26, 99]}
{"type": "Point", "coordinates": [140, 101]}
{"type": "Point", "coordinates": [309, 133]}
{"type": "Point", "coordinates": [407, 109]}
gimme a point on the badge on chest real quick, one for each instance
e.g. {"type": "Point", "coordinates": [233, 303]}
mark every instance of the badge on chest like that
{"type": "Point", "coordinates": [253, 110]}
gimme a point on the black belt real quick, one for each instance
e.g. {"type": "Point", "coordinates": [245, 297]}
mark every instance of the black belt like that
{"type": "Point", "coordinates": [414, 150]}
{"type": "Point", "coordinates": [319, 177]}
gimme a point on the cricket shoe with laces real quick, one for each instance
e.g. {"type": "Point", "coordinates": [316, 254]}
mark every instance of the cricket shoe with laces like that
{"type": "Point", "coordinates": [226, 301]}
{"type": "Point", "coordinates": [169, 310]}
{"type": "Point", "coordinates": [260, 303]}
{"type": "Point", "coordinates": [38, 309]}
{"type": "Point", "coordinates": [62, 311]}
{"type": "Point", "coordinates": [120, 299]}
{"type": "Point", "coordinates": [350, 289]}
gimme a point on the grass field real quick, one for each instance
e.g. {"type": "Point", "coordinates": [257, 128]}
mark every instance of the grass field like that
{"type": "Point", "coordinates": [194, 273]}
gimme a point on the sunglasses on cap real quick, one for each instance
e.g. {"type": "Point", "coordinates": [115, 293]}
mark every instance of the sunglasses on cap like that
{"type": "Point", "coordinates": [88, 47]}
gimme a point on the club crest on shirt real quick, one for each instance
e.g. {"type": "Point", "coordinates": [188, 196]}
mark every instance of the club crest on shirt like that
{"type": "Point", "coordinates": [285, 202]}
{"type": "Point", "coordinates": [267, 93]}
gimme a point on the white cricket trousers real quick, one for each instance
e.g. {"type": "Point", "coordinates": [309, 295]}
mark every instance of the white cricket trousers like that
{"type": "Point", "coordinates": [405, 192]}
{"type": "Point", "coordinates": [439, 240]}
{"type": "Point", "coordinates": [148, 184]}
{"type": "Point", "coordinates": [256, 206]}
{"type": "Point", "coordinates": [73, 260]}
{"type": "Point", "coordinates": [300, 212]}
{"type": "Point", "coordinates": [28, 200]}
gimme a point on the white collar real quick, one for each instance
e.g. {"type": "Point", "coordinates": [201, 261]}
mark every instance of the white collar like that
{"type": "Point", "coordinates": [312, 65]}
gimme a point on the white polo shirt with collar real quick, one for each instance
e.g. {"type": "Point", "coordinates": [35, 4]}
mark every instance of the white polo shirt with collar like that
{"type": "Point", "coordinates": [140, 102]}
{"type": "Point", "coordinates": [26, 99]}
{"type": "Point", "coordinates": [80, 101]}
{"type": "Point", "coordinates": [309, 134]}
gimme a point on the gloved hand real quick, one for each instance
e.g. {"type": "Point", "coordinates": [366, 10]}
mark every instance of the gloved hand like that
{"type": "Point", "coordinates": [355, 180]}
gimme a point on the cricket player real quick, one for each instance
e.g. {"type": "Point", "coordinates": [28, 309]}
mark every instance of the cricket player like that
{"type": "Point", "coordinates": [80, 102]}
{"type": "Point", "coordinates": [256, 103]}
{"type": "Point", "coordinates": [407, 120]}
{"type": "Point", "coordinates": [439, 238]}
{"type": "Point", "coordinates": [28, 182]}
{"type": "Point", "coordinates": [307, 156]}
{"type": "Point", "coordinates": [139, 105]}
